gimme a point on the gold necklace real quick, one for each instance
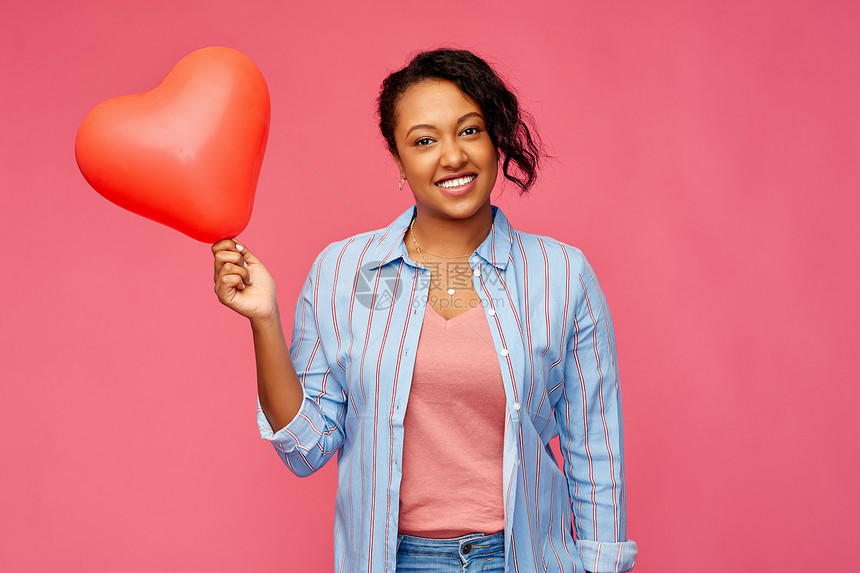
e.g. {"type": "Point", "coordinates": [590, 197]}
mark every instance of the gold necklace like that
{"type": "Point", "coordinates": [418, 249]}
{"type": "Point", "coordinates": [451, 289]}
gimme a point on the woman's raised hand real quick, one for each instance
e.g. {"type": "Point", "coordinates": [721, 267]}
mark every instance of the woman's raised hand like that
{"type": "Point", "coordinates": [242, 282]}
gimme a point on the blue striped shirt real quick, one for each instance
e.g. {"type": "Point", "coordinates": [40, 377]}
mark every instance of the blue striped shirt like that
{"type": "Point", "coordinates": [354, 342]}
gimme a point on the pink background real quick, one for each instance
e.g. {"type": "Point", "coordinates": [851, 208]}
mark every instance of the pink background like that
{"type": "Point", "coordinates": [708, 169]}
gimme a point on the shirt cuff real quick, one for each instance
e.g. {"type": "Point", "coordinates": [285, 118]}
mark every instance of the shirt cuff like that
{"type": "Point", "coordinates": [605, 557]}
{"type": "Point", "coordinates": [300, 434]}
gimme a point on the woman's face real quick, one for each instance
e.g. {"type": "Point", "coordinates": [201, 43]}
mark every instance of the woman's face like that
{"type": "Point", "coordinates": [444, 150]}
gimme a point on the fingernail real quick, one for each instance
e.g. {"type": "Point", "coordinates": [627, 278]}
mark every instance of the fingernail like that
{"type": "Point", "coordinates": [239, 247]}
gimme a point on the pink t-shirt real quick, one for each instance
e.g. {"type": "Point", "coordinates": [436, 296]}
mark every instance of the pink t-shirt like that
{"type": "Point", "coordinates": [454, 431]}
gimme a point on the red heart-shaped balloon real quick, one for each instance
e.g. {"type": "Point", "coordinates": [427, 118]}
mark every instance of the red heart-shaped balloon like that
{"type": "Point", "coordinates": [188, 152]}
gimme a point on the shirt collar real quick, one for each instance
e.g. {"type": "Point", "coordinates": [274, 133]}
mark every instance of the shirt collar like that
{"type": "Point", "coordinates": [495, 249]}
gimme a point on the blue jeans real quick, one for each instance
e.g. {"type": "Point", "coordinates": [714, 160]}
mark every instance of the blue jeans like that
{"type": "Point", "coordinates": [473, 553]}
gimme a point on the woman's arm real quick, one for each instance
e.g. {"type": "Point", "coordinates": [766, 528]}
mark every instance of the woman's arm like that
{"type": "Point", "coordinates": [243, 284]}
{"type": "Point", "coordinates": [590, 427]}
{"type": "Point", "coordinates": [300, 410]}
{"type": "Point", "coordinates": [278, 384]}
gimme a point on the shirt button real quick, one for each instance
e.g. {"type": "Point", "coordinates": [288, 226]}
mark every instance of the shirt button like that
{"type": "Point", "coordinates": [516, 405]}
{"type": "Point", "coordinates": [504, 352]}
{"type": "Point", "coordinates": [477, 272]}
{"type": "Point", "coordinates": [492, 312]}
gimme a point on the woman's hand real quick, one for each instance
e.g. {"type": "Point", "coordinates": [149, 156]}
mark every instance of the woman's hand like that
{"type": "Point", "coordinates": [243, 283]}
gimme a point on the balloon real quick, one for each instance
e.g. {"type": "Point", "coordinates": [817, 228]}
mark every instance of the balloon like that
{"type": "Point", "coordinates": [188, 152]}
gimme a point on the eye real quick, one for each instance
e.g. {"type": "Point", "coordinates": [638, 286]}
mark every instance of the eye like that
{"type": "Point", "coordinates": [470, 131]}
{"type": "Point", "coordinates": [423, 142]}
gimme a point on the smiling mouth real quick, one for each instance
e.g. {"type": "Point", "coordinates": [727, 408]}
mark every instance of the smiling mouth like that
{"type": "Point", "coordinates": [456, 183]}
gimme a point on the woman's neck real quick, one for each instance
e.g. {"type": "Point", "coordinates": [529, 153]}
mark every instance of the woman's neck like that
{"type": "Point", "coordinates": [449, 237]}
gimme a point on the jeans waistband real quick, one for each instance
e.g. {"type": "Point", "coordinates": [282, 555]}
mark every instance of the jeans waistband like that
{"type": "Point", "coordinates": [471, 545]}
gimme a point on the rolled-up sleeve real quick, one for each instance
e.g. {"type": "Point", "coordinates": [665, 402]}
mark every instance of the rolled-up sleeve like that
{"type": "Point", "coordinates": [316, 432]}
{"type": "Point", "coordinates": [590, 428]}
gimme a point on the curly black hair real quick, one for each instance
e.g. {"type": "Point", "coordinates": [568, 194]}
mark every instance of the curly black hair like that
{"type": "Point", "coordinates": [507, 124]}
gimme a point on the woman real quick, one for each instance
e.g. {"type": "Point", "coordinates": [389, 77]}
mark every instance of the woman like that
{"type": "Point", "coordinates": [439, 356]}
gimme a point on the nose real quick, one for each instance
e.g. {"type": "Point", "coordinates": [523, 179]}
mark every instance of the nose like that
{"type": "Point", "coordinates": [453, 155]}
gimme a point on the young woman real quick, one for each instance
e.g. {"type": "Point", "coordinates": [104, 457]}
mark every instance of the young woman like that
{"type": "Point", "coordinates": [437, 357]}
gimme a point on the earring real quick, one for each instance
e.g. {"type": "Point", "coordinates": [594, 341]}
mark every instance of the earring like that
{"type": "Point", "coordinates": [402, 179]}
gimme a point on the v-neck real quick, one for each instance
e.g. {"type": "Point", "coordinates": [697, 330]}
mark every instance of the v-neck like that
{"type": "Point", "coordinates": [449, 322]}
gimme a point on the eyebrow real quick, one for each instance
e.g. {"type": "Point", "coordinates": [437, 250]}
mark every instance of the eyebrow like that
{"type": "Point", "coordinates": [459, 121]}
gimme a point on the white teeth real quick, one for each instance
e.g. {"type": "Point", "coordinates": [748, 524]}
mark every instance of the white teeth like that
{"type": "Point", "coordinates": [457, 182]}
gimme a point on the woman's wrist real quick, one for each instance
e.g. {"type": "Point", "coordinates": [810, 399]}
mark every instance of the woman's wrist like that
{"type": "Point", "coordinates": [267, 322]}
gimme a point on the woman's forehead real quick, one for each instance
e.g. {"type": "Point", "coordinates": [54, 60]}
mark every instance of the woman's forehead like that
{"type": "Point", "coordinates": [434, 101]}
